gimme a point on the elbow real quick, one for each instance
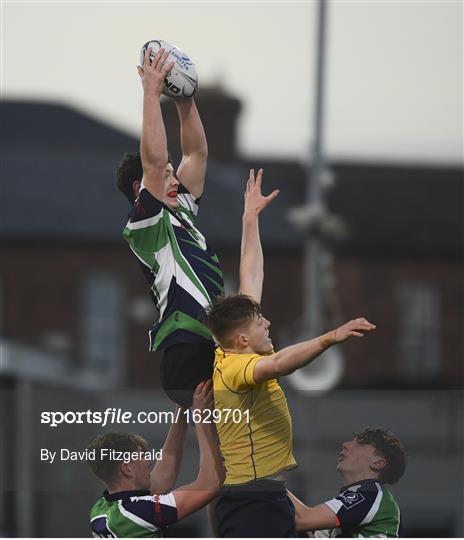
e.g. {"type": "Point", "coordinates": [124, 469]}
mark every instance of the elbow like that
{"type": "Point", "coordinates": [153, 158]}
{"type": "Point", "coordinates": [200, 154]}
{"type": "Point", "coordinates": [209, 485]}
{"type": "Point", "coordinates": [151, 163]}
{"type": "Point", "coordinates": [203, 152]}
{"type": "Point", "coordinates": [213, 479]}
{"type": "Point", "coordinates": [215, 489]}
{"type": "Point", "coordinates": [221, 474]}
{"type": "Point", "coordinates": [219, 481]}
{"type": "Point", "coordinates": [218, 478]}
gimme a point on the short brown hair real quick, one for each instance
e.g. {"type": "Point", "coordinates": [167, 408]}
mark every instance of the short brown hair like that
{"type": "Point", "coordinates": [128, 171]}
{"type": "Point", "coordinates": [228, 313]}
{"type": "Point", "coordinates": [106, 468]}
{"type": "Point", "coordinates": [389, 447]}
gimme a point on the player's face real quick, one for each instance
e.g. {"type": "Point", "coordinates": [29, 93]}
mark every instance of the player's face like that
{"type": "Point", "coordinates": [258, 335]}
{"type": "Point", "coordinates": [356, 458]}
{"type": "Point", "coordinates": [171, 186]}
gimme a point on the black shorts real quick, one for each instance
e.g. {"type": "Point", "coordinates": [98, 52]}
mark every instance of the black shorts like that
{"type": "Point", "coordinates": [183, 366]}
{"type": "Point", "coordinates": [261, 509]}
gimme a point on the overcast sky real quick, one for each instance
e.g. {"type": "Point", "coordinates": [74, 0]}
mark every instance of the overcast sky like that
{"type": "Point", "coordinates": [394, 87]}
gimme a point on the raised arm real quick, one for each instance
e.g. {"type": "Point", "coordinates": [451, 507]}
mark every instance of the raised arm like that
{"type": "Point", "coordinates": [311, 519]}
{"type": "Point", "coordinates": [296, 356]}
{"type": "Point", "coordinates": [251, 256]}
{"type": "Point", "coordinates": [165, 472]}
{"type": "Point", "coordinates": [192, 169]}
{"type": "Point", "coordinates": [153, 144]}
{"type": "Point", "coordinates": [205, 488]}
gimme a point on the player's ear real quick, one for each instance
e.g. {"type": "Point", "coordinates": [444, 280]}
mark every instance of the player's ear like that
{"type": "Point", "coordinates": [378, 463]}
{"type": "Point", "coordinates": [242, 340]}
{"type": "Point", "coordinates": [136, 184]}
{"type": "Point", "coordinates": [125, 470]}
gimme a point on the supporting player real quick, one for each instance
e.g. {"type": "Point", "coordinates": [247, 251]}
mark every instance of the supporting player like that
{"type": "Point", "coordinates": [257, 449]}
{"type": "Point", "coordinates": [138, 501]}
{"type": "Point", "coordinates": [365, 507]}
{"type": "Point", "coordinates": [183, 272]}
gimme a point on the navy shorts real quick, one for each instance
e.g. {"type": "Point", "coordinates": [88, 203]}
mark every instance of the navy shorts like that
{"type": "Point", "coordinates": [183, 366]}
{"type": "Point", "coordinates": [260, 509]}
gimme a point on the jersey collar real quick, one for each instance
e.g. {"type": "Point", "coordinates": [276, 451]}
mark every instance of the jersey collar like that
{"type": "Point", "coordinates": [365, 484]}
{"type": "Point", "coordinates": [124, 494]}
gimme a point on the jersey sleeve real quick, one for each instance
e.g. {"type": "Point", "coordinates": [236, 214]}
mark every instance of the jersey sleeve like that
{"type": "Point", "coordinates": [240, 377]}
{"type": "Point", "coordinates": [145, 231]}
{"type": "Point", "coordinates": [352, 507]}
{"type": "Point", "coordinates": [152, 511]}
{"type": "Point", "coordinates": [99, 527]}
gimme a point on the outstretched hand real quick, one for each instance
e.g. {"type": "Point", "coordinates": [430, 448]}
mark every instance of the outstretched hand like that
{"type": "Point", "coordinates": [354, 328]}
{"type": "Point", "coordinates": [255, 201]}
{"type": "Point", "coordinates": [153, 73]}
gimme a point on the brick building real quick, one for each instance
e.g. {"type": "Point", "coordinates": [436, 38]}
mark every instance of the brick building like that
{"type": "Point", "coordinates": [69, 284]}
{"type": "Point", "coordinates": [74, 312]}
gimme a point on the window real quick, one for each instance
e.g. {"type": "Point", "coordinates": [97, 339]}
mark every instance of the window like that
{"type": "Point", "coordinates": [103, 324]}
{"type": "Point", "coordinates": [420, 326]}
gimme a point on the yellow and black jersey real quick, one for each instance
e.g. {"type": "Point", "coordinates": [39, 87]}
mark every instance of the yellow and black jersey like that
{"type": "Point", "coordinates": [254, 423]}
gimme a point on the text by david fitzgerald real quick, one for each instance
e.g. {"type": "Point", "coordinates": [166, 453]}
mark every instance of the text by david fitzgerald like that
{"type": "Point", "coordinates": [104, 454]}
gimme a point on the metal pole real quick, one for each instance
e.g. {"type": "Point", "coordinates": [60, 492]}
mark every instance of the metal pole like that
{"type": "Point", "coordinates": [24, 522]}
{"type": "Point", "coordinates": [313, 251]}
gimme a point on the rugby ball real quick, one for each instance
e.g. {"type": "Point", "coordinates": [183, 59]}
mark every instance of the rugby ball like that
{"type": "Point", "coordinates": [182, 80]}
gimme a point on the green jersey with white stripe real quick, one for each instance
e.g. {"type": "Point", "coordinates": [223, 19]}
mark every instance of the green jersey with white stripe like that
{"type": "Point", "coordinates": [365, 509]}
{"type": "Point", "coordinates": [132, 514]}
{"type": "Point", "coordinates": [183, 272]}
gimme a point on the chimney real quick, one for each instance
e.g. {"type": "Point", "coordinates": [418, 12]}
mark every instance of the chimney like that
{"type": "Point", "coordinates": [219, 113]}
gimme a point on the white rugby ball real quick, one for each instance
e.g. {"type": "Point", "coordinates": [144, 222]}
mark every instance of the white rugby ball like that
{"type": "Point", "coordinates": [182, 80]}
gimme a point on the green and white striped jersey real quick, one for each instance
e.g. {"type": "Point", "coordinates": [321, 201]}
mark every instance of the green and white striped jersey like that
{"type": "Point", "coordinates": [365, 509]}
{"type": "Point", "coordinates": [132, 514]}
{"type": "Point", "coordinates": [183, 272]}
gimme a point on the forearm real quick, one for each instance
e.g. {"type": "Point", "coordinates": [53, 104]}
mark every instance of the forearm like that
{"type": "Point", "coordinates": [211, 471]}
{"type": "Point", "coordinates": [312, 518]}
{"type": "Point", "coordinates": [192, 134]}
{"type": "Point", "coordinates": [300, 509]}
{"type": "Point", "coordinates": [251, 257]}
{"type": "Point", "coordinates": [165, 472]}
{"type": "Point", "coordinates": [297, 356]}
{"type": "Point", "coordinates": [153, 142]}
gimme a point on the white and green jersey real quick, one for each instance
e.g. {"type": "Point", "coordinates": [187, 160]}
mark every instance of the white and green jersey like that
{"type": "Point", "coordinates": [183, 272]}
{"type": "Point", "coordinates": [365, 509]}
{"type": "Point", "coordinates": [132, 514]}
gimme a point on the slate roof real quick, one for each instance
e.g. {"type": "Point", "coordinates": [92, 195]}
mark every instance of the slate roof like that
{"type": "Point", "coordinates": [410, 211]}
{"type": "Point", "coordinates": [58, 185]}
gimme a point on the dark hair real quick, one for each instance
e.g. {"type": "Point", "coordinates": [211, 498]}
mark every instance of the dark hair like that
{"type": "Point", "coordinates": [388, 446]}
{"type": "Point", "coordinates": [105, 468]}
{"type": "Point", "coordinates": [129, 170]}
{"type": "Point", "coordinates": [228, 313]}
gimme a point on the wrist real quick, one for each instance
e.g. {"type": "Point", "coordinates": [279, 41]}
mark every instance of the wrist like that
{"type": "Point", "coordinates": [329, 339]}
{"type": "Point", "coordinates": [152, 94]}
{"type": "Point", "coordinates": [250, 214]}
{"type": "Point", "coordinates": [183, 103]}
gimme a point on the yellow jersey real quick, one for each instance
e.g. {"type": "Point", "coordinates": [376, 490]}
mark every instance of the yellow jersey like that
{"type": "Point", "coordinates": [253, 420]}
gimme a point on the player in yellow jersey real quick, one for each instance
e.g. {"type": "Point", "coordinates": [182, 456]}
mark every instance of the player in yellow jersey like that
{"type": "Point", "coordinates": [253, 420]}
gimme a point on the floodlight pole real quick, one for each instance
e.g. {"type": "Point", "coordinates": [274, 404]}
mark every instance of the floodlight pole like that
{"type": "Point", "coordinates": [313, 248]}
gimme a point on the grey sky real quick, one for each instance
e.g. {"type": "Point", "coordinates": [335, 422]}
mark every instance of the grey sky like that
{"type": "Point", "coordinates": [394, 69]}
